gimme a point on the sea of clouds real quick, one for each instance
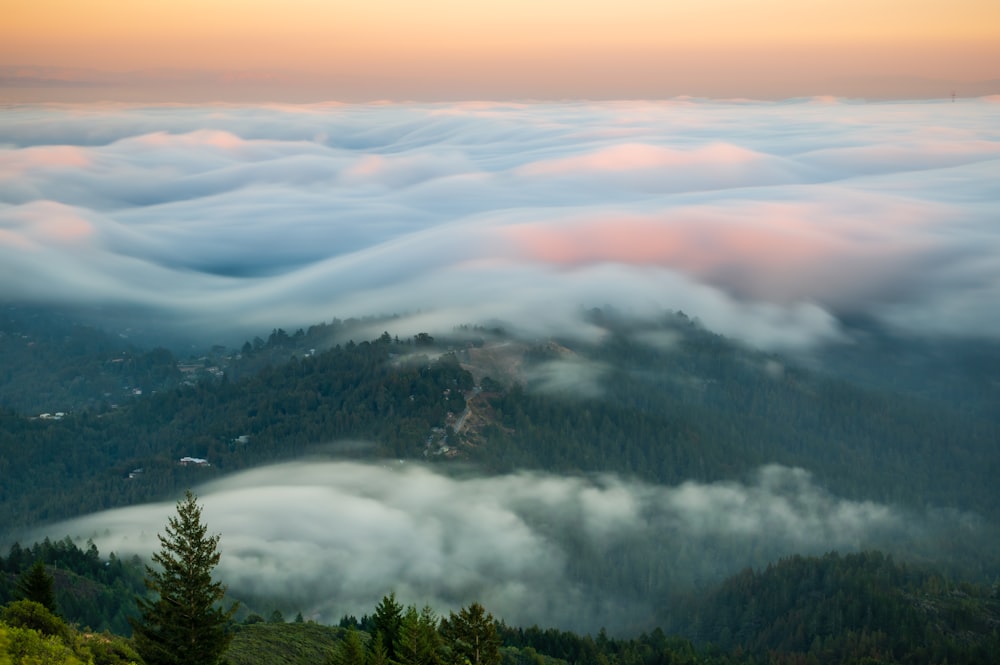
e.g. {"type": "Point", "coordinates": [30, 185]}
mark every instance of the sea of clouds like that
{"type": "Point", "coordinates": [768, 221]}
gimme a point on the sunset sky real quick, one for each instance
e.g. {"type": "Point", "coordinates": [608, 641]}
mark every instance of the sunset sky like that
{"type": "Point", "coordinates": [438, 50]}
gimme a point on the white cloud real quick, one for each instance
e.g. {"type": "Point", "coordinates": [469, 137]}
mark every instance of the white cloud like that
{"type": "Point", "coordinates": [764, 220]}
{"type": "Point", "coordinates": [332, 537]}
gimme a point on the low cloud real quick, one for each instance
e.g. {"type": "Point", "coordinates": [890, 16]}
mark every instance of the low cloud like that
{"type": "Point", "coordinates": [331, 537]}
{"type": "Point", "coordinates": [572, 376]}
{"type": "Point", "coordinates": [766, 221]}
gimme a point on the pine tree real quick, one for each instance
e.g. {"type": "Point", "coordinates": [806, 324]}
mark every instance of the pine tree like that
{"type": "Point", "coordinates": [419, 641]}
{"type": "Point", "coordinates": [350, 650]}
{"type": "Point", "coordinates": [388, 622]}
{"type": "Point", "coordinates": [377, 654]}
{"type": "Point", "coordinates": [183, 624]}
{"type": "Point", "coordinates": [472, 636]}
{"type": "Point", "coordinates": [36, 584]}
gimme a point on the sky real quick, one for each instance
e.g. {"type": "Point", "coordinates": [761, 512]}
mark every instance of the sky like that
{"type": "Point", "coordinates": [450, 50]}
{"type": "Point", "coordinates": [772, 222]}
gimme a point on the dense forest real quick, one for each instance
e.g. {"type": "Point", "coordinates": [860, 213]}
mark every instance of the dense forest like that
{"type": "Point", "coordinates": [704, 409]}
{"type": "Point", "coordinates": [855, 608]}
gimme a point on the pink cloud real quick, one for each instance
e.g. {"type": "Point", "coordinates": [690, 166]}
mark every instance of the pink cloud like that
{"type": "Point", "coordinates": [43, 223]}
{"type": "Point", "coordinates": [781, 252]}
{"type": "Point", "coordinates": [16, 163]}
{"type": "Point", "coordinates": [636, 156]}
{"type": "Point", "coordinates": [204, 137]}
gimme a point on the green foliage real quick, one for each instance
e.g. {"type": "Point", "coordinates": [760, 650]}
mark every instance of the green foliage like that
{"type": "Point", "coordinates": [33, 615]}
{"type": "Point", "coordinates": [377, 654]}
{"type": "Point", "coordinates": [848, 608]}
{"type": "Point", "coordinates": [387, 622]}
{"type": "Point", "coordinates": [90, 590]}
{"type": "Point", "coordinates": [282, 644]}
{"type": "Point", "coordinates": [471, 636]}
{"type": "Point", "coordinates": [108, 649]}
{"type": "Point", "coordinates": [37, 585]}
{"type": "Point", "coordinates": [350, 650]}
{"type": "Point", "coordinates": [183, 624]}
{"type": "Point", "coordinates": [24, 646]}
{"type": "Point", "coordinates": [29, 634]}
{"type": "Point", "coordinates": [87, 461]}
{"type": "Point", "coordinates": [419, 642]}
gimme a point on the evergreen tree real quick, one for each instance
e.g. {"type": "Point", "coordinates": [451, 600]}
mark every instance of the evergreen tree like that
{"type": "Point", "coordinates": [183, 624]}
{"type": "Point", "coordinates": [350, 650]}
{"type": "Point", "coordinates": [388, 622]}
{"type": "Point", "coordinates": [36, 584]}
{"type": "Point", "coordinates": [472, 636]}
{"type": "Point", "coordinates": [419, 640]}
{"type": "Point", "coordinates": [377, 654]}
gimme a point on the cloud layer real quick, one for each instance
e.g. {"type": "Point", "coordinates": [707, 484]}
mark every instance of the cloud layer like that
{"type": "Point", "coordinates": [767, 221]}
{"type": "Point", "coordinates": [330, 538]}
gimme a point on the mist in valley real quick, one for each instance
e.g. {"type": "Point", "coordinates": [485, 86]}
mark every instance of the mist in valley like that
{"type": "Point", "coordinates": [330, 538]}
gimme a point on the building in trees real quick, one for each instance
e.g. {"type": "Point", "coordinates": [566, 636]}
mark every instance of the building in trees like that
{"type": "Point", "coordinates": [183, 623]}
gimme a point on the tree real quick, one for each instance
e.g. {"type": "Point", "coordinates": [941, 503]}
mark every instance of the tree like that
{"type": "Point", "coordinates": [472, 636]}
{"type": "Point", "coordinates": [36, 584]}
{"type": "Point", "coordinates": [419, 642]}
{"type": "Point", "coordinates": [350, 650]}
{"type": "Point", "coordinates": [183, 624]}
{"type": "Point", "coordinates": [377, 654]}
{"type": "Point", "coordinates": [29, 614]}
{"type": "Point", "coordinates": [388, 621]}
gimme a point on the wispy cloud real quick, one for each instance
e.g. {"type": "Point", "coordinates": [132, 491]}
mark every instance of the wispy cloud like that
{"type": "Point", "coordinates": [332, 537]}
{"type": "Point", "coordinates": [767, 221]}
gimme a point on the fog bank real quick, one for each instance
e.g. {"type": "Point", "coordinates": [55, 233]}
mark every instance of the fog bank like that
{"type": "Point", "coordinates": [330, 537]}
{"type": "Point", "coordinates": [768, 221]}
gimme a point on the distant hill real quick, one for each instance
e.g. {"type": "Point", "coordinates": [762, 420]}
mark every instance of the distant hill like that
{"type": "Point", "coordinates": [846, 609]}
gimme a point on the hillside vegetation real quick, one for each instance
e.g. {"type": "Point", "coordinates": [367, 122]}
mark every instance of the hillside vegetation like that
{"type": "Point", "coordinates": [701, 408]}
{"type": "Point", "coordinates": [848, 609]}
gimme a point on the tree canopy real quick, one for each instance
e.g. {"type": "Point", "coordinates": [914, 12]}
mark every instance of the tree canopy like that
{"type": "Point", "coordinates": [37, 585]}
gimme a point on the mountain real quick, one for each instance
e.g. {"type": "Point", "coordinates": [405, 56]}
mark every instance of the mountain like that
{"type": "Point", "coordinates": [665, 403]}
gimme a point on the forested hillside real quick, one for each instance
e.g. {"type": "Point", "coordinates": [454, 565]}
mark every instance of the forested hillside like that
{"type": "Point", "coordinates": [692, 405]}
{"type": "Point", "coordinates": [93, 591]}
{"type": "Point", "coordinates": [52, 363]}
{"type": "Point", "coordinates": [846, 609]}
{"type": "Point", "coordinates": [383, 392]}
{"type": "Point", "coordinates": [707, 409]}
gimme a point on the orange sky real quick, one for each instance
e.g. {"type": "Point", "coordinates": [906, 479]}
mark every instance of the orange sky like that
{"type": "Point", "coordinates": [527, 48]}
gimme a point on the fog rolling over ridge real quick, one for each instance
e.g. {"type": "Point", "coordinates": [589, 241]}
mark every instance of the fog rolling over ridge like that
{"type": "Point", "coordinates": [329, 538]}
{"type": "Point", "coordinates": [768, 221]}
